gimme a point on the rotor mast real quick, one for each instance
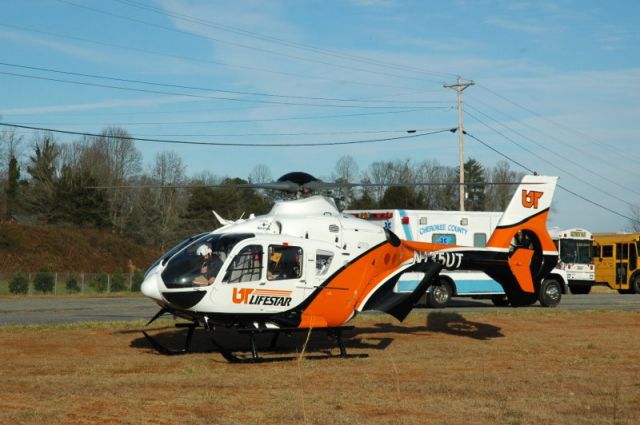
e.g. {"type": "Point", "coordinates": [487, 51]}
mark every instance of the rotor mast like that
{"type": "Point", "coordinates": [459, 87]}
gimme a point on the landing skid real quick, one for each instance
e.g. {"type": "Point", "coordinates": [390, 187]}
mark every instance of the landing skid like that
{"type": "Point", "coordinates": [172, 352]}
{"type": "Point", "coordinates": [332, 332]}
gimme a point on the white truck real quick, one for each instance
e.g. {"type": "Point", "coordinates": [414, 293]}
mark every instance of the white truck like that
{"type": "Point", "coordinates": [469, 228]}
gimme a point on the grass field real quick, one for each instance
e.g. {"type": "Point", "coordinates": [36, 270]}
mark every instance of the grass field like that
{"type": "Point", "coordinates": [511, 367]}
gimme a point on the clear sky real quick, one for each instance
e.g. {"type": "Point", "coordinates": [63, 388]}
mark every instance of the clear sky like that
{"type": "Point", "coordinates": [557, 84]}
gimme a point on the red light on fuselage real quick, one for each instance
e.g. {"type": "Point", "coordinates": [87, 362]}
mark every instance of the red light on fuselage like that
{"type": "Point", "coordinates": [405, 220]}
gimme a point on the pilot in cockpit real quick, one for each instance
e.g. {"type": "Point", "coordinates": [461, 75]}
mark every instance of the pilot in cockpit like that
{"type": "Point", "coordinates": [211, 265]}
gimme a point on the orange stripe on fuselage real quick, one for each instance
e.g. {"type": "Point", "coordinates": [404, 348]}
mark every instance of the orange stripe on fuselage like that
{"type": "Point", "coordinates": [501, 237]}
{"type": "Point", "coordinates": [333, 307]}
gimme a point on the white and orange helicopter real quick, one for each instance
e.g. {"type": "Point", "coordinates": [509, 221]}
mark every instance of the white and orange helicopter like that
{"type": "Point", "coordinates": [306, 266]}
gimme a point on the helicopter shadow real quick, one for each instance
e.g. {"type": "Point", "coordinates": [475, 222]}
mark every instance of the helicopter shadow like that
{"type": "Point", "coordinates": [455, 324]}
{"type": "Point", "coordinates": [317, 345]}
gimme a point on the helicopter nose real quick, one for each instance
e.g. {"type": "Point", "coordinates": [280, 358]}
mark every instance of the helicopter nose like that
{"type": "Point", "coordinates": [150, 287]}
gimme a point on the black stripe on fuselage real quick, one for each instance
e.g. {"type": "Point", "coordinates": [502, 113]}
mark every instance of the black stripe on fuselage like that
{"type": "Point", "coordinates": [524, 220]}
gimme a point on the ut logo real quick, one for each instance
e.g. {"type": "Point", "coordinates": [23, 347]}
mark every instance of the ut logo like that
{"type": "Point", "coordinates": [530, 198]}
{"type": "Point", "coordinates": [241, 296]}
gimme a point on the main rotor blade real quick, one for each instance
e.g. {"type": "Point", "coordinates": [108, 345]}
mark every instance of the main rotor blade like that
{"type": "Point", "coordinates": [284, 186]}
{"type": "Point", "coordinates": [318, 185]}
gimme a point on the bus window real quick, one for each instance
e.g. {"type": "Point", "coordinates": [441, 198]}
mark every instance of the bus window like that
{"type": "Point", "coordinates": [596, 251]}
{"type": "Point", "coordinates": [633, 257]}
{"type": "Point", "coordinates": [444, 238]}
{"type": "Point", "coordinates": [479, 240]}
{"type": "Point", "coordinates": [622, 251]}
{"type": "Point", "coordinates": [607, 251]}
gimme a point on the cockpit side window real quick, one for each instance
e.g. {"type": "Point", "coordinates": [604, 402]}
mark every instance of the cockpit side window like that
{"type": "Point", "coordinates": [285, 262]}
{"type": "Point", "coordinates": [246, 266]}
{"type": "Point", "coordinates": [323, 261]}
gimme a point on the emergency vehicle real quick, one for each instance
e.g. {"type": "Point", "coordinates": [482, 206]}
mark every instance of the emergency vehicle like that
{"type": "Point", "coordinates": [468, 228]}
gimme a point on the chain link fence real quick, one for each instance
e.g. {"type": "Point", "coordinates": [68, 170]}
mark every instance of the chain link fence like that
{"type": "Point", "coordinates": [64, 283]}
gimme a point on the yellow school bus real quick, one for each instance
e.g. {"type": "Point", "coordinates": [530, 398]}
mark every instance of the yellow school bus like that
{"type": "Point", "coordinates": [616, 258]}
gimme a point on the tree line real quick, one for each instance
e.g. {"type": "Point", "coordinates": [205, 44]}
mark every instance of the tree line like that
{"type": "Point", "coordinates": [83, 183]}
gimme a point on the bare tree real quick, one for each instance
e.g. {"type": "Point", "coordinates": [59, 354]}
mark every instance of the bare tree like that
{"type": "Point", "coordinates": [498, 196]}
{"type": "Point", "coordinates": [168, 170]}
{"type": "Point", "coordinates": [260, 174]}
{"type": "Point", "coordinates": [114, 159]}
{"type": "Point", "coordinates": [345, 171]}
{"type": "Point", "coordinates": [634, 223]}
{"type": "Point", "coordinates": [10, 146]}
{"type": "Point", "coordinates": [427, 172]}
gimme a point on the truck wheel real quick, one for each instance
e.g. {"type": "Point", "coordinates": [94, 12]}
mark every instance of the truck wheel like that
{"type": "Point", "coordinates": [634, 287]}
{"type": "Point", "coordinates": [500, 300]}
{"type": "Point", "coordinates": [550, 293]}
{"type": "Point", "coordinates": [440, 294]}
{"type": "Point", "coordinates": [580, 289]}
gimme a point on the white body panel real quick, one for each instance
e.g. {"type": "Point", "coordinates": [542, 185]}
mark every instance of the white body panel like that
{"type": "Point", "coordinates": [469, 228]}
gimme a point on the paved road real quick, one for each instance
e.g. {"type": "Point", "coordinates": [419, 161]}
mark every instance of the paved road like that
{"type": "Point", "coordinates": [69, 310]}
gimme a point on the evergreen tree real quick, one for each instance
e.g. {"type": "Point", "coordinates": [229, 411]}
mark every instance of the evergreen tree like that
{"type": "Point", "coordinates": [475, 189]}
{"type": "Point", "coordinates": [13, 186]}
{"type": "Point", "coordinates": [400, 197]}
{"type": "Point", "coordinates": [42, 168]}
{"type": "Point", "coordinates": [77, 202]}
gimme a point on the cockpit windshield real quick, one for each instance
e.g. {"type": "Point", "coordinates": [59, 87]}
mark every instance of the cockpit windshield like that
{"type": "Point", "coordinates": [167, 255]}
{"type": "Point", "coordinates": [200, 262]}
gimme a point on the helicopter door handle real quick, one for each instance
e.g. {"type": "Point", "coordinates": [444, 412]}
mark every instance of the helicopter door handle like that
{"type": "Point", "coordinates": [262, 283]}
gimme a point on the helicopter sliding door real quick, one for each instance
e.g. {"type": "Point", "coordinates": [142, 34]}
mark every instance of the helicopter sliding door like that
{"type": "Point", "coordinates": [261, 278]}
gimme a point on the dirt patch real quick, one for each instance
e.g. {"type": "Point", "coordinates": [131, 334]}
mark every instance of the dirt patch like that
{"type": "Point", "coordinates": [517, 367]}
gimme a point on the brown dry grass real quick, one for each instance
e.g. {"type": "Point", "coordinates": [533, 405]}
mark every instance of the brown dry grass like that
{"type": "Point", "coordinates": [512, 367]}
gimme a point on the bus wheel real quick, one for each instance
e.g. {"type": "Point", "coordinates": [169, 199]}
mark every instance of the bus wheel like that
{"type": "Point", "coordinates": [550, 293]}
{"type": "Point", "coordinates": [440, 294]}
{"type": "Point", "coordinates": [635, 285]}
{"type": "Point", "coordinates": [500, 300]}
{"type": "Point", "coordinates": [579, 289]}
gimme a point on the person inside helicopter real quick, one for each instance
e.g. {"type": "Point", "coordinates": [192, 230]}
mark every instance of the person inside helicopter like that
{"type": "Point", "coordinates": [211, 265]}
{"type": "Point", "coordinates": [284, 262]}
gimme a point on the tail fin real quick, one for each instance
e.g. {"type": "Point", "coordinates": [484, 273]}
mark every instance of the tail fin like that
{"type": "Point", "coordinates": [528, 209]}
{"type": "Point", "coordinates": [522, 231]}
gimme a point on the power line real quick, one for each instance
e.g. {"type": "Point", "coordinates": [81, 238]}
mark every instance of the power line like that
{"type": "Point", "coordinates": [240, 45]}
{"type": "Point", "coordinates": [236, 121]}
{"type": "Point", "coordinates": [565, 128]}
{"type": "Point", "coordinates": [565, 158]}
{"type": "Point", "coordinates": [558, 167]}
{"type": "Point", "coordinates": [206, 89]}
{"type": "Point", "coordinates": [550, 136]}
{"type": "Point", "coordinates": [508, 158]}
{"type": "Point", "coordinates": [199, 96]}
{"type": "Point", "coordinates": [200, 60]}
{"type": "Point", "coordinates": [302, 133]}
{"type": "Point", "coordinates": [296, 134]}
{"type": "Point", "coordinates": [261, 145]}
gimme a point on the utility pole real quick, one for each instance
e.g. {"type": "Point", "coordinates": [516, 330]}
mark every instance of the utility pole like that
{"type": "Point", "coordinates": [459, 87]}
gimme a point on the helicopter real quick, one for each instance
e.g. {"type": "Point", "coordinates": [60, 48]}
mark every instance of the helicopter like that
{"type": "Point", "coordinates": [306, 266]}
